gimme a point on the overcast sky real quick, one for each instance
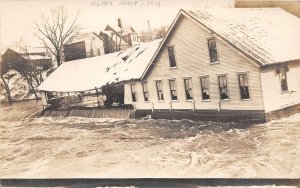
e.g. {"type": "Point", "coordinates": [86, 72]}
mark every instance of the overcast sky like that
{"type": "Point", "coordinates": [17, 16]}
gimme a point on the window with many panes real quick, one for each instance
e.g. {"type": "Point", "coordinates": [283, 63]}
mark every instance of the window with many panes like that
{"type": "Point", "coordinates": [188, 88]}
{"type": "Point", "coordinates": [223, 87]}
{"type": "Point", "coordinates": [173, 90]}
{"type": "Point", "coordinates": [159, 88]}
{"type": "Point", "coordinates": [171, 52]}
{"type": "Point", "coordinates": [213, 52]}
{"type": "Point", "coordinates": [145, 91]}
{"type": "Point", "coordinates": [133, 93]}
{"type": "Point", "coordinates": [283, 79]}
{"type": "Point", "coordinates": [204, 81]}
{"type": "Point", "coordinates": [244, 85]}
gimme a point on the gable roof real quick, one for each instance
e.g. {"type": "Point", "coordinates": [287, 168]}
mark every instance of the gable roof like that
{"type": "Point", "coordinates": [265, 35]}
{"type": "Point", "coordinates": [109, 34]}
{"type": "Point", "coordinates": [88, 73]}
{"type": "Point", "coordinates": [125, 30]}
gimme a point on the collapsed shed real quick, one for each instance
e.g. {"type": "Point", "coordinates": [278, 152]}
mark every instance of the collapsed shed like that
{"type": "Point", "coordinates": [85, 81]}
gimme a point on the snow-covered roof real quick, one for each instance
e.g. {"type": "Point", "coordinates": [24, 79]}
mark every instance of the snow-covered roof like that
{"type": "Point", "coordinates": [29, 49]}
{"type": "Point", "coordinates": [86, 74]}
{"type": "Point", "coordinates": [35, 57]}
{"type": "Point", "coordinates": [268, 35]}
{"type": "Point", "coordinates": [84, 36]}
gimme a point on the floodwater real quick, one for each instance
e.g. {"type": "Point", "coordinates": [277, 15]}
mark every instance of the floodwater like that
{"type": "Point", "coordinates": [114, 148]}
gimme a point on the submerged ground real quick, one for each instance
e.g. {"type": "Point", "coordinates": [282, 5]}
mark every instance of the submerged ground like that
{"type": "Point", "coordinates": [101, 148]}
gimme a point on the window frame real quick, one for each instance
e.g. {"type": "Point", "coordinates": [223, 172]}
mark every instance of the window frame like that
{"type": "Point", "coordinates": [147, 88]}
{"type": "Point", "coordinates": [92, 52]}
{"type": "Point", "coordinates": [283, 70]}
{"type": "Point", "coordinates": [201, 87]}
{"type": "Point", "coordinates": [133, 93]}
{"type": "Point", "coordinates": [185, 91]}
{"type": "Point", "coordinates": [176, 90]}
{"type": "Point", "coordinates": [175, 60]}
{"type": "Point", "coordinates": [219, 88]}
{"type": "Point", "coordinates": [157, 91]}
{"type": "Point", "coordinates": [239, 85]}
{"type": "Point", "coordinates": [217, 50]}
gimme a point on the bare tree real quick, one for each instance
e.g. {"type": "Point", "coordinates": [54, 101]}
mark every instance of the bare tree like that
{"type": "Point", "coordinates": [160, 32]}
{"type": "Point", "coordinates": [56, 30]}
{"type": "Point", "coordinates": [31, 70]}
{"type": "Point", "coordinates": [156, 33]}
{"type": "Point", "coordinates": [4, 69]}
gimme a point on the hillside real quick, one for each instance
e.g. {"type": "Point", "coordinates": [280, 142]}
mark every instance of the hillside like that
{"type": "Point", "coordinates": [18, 86]}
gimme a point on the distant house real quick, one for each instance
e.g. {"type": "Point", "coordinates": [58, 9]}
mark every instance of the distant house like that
{"type": "Point", "coordinates": [83, 46]}
{"type": "Point", "coordinates": [37, 58]}
{"type": "Point", "coordinates": [118, 38]}
{"type": "Point", "coordinates": [214, 64]}
{"type": "Point", "coordinates": [31, 64]}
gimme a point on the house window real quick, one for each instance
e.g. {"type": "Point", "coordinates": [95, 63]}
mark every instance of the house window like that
{"type": "Point", "coordinates": [283, 79]}
{"type": "Point", "coordinates": [244, 86]}
{"type": "Point", "coordinates": [92, 53]}
{"type": "Point", "coordinates": [223, 87]}
{"type": "Point", "coordinates": [188, 88]}
{"type": "Point", "coordinates": [159, 88]}
{"type": "Point", "coordinates": [171, 52]}
{"type": "Point", "coordinates": [173, 90]}
{"type": "Point", "coordinates": [204, 81]}
{"type": "Point", "coordinates": [145, 91]}
{"type": "Point", "coordinates": [133, 93]}
{"type": "Point", "coordinates": [213, 53]}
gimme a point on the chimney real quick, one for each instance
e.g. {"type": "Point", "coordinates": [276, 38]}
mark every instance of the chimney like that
{"type": "Point", "coordinates": [120, 23]}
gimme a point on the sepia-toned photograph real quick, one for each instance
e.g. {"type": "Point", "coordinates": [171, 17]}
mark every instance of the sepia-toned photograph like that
{"type": "Point", "coordinates": [149, 93]}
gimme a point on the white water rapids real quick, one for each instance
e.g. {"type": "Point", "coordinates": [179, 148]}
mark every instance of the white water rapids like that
{"type": "Point", "coordinates": [104, 148]}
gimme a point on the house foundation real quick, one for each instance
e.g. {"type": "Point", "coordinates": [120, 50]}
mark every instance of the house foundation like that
{"type": "Point", "coordinates": [240, 116]}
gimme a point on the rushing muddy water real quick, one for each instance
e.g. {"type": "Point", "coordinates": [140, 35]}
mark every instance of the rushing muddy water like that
{"type": "Point", "coordinates": [81, 147]}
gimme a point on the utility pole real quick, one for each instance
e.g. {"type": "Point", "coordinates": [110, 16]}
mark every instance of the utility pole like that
{"type": "Point", "coordinates": [120, 39]}
{"type": "Point", "coordinates": [149, 30]}
{"type": "Point", "coordinates": [120, 24]}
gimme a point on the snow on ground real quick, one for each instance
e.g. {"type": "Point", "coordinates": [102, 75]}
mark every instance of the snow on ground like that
{"type": "Point", "coordinates": [18, 86]}
{"type": "Point", "coordinates": [114, 148]}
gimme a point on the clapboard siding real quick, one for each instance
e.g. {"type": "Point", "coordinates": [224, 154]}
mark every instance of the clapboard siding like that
{"type": "Point", "coordinates": [192, 57]}
{"type": "Point", "coordinates": [274, 99]}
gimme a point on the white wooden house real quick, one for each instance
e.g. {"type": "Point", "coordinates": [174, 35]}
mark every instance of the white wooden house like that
{"type": "Point", "coordinates": [223, 64]}
{"type": "Point", "coordinates": [214, 64]}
